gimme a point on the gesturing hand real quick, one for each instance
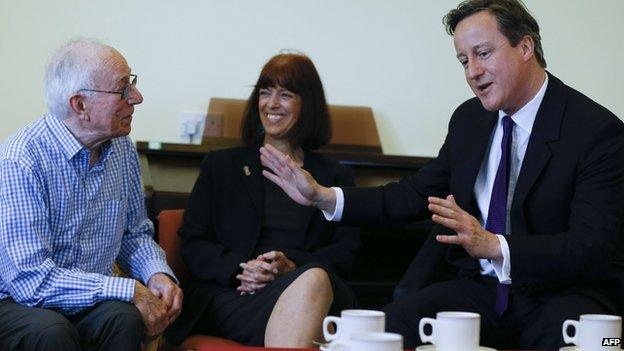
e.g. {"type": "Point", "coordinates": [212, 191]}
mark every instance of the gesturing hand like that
{"type": "Point", "coordinates": [152, 309]}
{"type": "Point", "coordinates": [478, 242]}
{"type": "Point", "coordinates": [168, 292]}
{"type": "Point", "coordinates": [295, 181]}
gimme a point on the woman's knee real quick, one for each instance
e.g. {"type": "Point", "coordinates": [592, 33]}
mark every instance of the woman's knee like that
{"type": "Point", "coordinates": [315, 280]}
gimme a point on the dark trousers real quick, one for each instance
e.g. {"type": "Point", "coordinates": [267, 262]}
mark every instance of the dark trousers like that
{"type": "Point", "coordinates": [110, 325]}
{"type": "Point", "coordinates": [528, 323]}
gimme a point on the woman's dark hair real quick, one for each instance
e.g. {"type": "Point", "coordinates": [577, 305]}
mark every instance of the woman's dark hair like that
{"type": "Point", "coordinates": [296, 73]}
{"type": "Point", "coordinates": [513, 18]}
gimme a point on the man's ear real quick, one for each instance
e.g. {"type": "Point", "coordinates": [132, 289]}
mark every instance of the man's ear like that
{"type": "Point", "coordinates": [528, 47]}
{"type": "Point", "coordinates": [78, 105]}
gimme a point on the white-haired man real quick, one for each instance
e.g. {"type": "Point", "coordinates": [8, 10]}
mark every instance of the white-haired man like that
{"type": "Point", "coordinates": [70, 205]}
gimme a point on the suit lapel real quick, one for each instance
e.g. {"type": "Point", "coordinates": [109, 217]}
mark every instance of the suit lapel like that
{"type": "Point", "coordinates": [466, 164]}
{"type": "Point", "coordinates": [250, 169]}
{"type": "Point", "coordinates": [546, 128]}
{"type": "Point", "coordinates": [474, 151]}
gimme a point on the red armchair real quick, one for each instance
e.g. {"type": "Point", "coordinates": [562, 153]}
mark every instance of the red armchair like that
{"type": "Point", "coordinates": [169, 221]}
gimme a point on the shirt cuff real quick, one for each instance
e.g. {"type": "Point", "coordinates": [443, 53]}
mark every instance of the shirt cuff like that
{"type": "Point", "coordinates": [503, 269]}
{"type": "Point", "coordinates": [118, 288]}
{"type": "Point", "coordinates": [156, 266]}
{"type": "Point", "coordinates": [337, 215]}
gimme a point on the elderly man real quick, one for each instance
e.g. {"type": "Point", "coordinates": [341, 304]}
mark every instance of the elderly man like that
{"type": "Point", "coordinates": [528, 188]}
{"type": "Point", "coordinates": [70, 206]}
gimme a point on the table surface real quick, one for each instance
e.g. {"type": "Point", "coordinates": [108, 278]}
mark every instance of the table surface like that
{"type": "Point", "coordinates": [247, 348]}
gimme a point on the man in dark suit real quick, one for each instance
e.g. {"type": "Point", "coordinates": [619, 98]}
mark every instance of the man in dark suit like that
{"type": "Point", "coordinates": [527, 193]}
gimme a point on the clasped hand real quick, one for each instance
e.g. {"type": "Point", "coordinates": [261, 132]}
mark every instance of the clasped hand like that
{"type": "Point", "coordinates": [159, 303]}
{"type": "Point", "coordinates": [477, 241]}
{"type": "Point", "coordinates": [264, 269]}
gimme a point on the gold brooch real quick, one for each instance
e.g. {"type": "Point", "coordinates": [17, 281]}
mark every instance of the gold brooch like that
{"type": "Point", "coordinates": [247, 171]}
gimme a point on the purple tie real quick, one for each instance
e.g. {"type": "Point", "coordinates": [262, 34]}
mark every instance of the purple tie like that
{"type": "Point", "coordinates": [497, 213]}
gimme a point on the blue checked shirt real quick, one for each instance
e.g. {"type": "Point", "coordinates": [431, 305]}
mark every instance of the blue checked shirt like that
{"type": "Point", "coordinates": [63, 223]}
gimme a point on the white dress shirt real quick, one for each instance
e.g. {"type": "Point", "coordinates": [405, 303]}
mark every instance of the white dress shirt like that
{"type": "Point", "coordinates": [523, 125]}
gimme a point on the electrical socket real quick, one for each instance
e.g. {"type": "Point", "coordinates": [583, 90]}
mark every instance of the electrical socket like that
{"type": "Point", "coordinates": [192, 126]}
{"type": "Point", "coordinates": [214, 125]}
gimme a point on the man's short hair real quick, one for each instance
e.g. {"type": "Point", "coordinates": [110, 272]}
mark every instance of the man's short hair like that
{"type": "Point", "coordinates": [512, 16]}
{"type": "Point", "coordinates": [72, 67]}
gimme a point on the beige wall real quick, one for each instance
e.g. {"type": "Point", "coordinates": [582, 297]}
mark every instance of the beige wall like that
{"type": "Point", "coordinates": [392, 55]}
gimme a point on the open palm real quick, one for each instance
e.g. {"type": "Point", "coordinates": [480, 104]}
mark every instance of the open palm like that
{"type": "Point", "coordinates": [295, 181]}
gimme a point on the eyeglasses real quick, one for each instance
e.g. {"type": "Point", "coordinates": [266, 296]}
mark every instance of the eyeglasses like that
{"type": "Point", "coordinates": [125, 92]}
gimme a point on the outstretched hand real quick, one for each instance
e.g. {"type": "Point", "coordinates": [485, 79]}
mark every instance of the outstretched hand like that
{"type": "Point", "coordinates": [477, 241]}
{"type": "Point", "coordinates": [295, 181]}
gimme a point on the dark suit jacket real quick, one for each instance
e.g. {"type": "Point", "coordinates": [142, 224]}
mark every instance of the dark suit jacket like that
{"type": "Point", "coordinates": [568, 207]}
{"type": "Point", "coordinates": [222, 224]}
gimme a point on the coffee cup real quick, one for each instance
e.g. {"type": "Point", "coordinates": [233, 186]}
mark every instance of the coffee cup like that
{"type": "Point", "coordinates": [590, 331]}
{"type": "Point", "coordinates": [353, 321]}
{"type": "Point", "coordinates": [452, 331]}
{"type": "Point", "coordinates": [371, 341]}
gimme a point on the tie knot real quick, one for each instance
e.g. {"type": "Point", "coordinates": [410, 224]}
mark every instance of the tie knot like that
{"type": "Point", "coordinates": [507, 124]}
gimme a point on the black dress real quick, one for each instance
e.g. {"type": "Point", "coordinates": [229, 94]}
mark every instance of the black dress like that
{"type": "Point", "coordinates": [235, 214]}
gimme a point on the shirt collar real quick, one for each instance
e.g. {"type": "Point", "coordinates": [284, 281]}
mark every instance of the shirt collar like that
{"type": "Point", "coordinates": [69, 144]}
{"type": "Point", "coordinates": [525, 117]}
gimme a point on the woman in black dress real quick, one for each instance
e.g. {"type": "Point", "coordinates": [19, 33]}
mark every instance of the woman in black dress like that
{"type": "Point", "coordinates": [265, 269]}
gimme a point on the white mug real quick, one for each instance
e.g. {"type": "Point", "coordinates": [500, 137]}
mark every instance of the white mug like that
{"type": "Point", "coordinates": [452, 331]}
{"type": "Point", "coordinates": [591, 329]}
{"type": "Point", "coordinates": [353, 321]}
{"type": "Point", "coordinates": [371, 341]}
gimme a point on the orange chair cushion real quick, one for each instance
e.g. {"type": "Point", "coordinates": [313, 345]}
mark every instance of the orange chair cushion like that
{"type": "Point", "coordinates": [169, 221]}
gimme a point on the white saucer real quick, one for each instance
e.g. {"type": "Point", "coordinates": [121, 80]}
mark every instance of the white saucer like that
{"type": "Point", "coordinates": [570, 348]}
{"type": "Point", "coordinates": [433, 348]}
{"type": "Point", "coordinates": [326, 347]}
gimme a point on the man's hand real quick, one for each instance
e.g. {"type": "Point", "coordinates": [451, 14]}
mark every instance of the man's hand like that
{"type": "Point", "coordinates": [470, 235]}
{"type": "Point", "coordinates": [279, 262]}
{"type": "Point", "coordinates": [168, 292]}
{"type": "Point", "coordinates": [296, 182]}
{"type": "Point", "coordinates": [152, 309]}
